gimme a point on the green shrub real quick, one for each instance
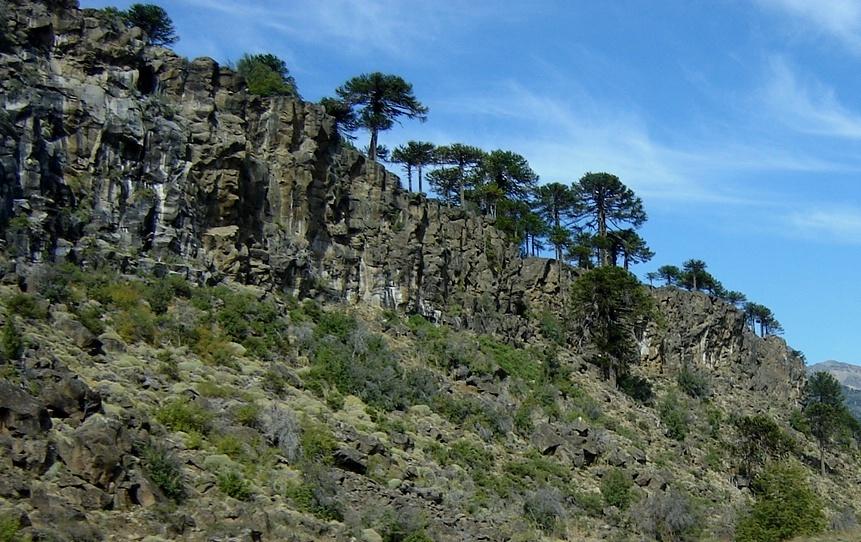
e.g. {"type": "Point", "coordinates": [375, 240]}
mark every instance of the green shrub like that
{"type": "Point", "coordinates": [517, 362]}
{"type": "Point", "coordinates": [318, 493]}
{"type": "Point", "coordinates": [317, 442]}
{"type": "Point", "coordinates": [11, 342]}
{"type": "Point", "coordinates": [266, 75]}
{"type": "Point", "coordinates": [183, 415]}
{"type": "Point", "coordinates": [636, 387]}
{"type": "Point", "coordinates": [551, 327]}
{"type": "Point", "coordinates": [232, 484]}
{"type": "Point", "coordinates": [785, 506]}
{"type": "Point", "coordinates": [590, 502]}
{"type": "Point", "coordinates": [27, 306]}
{"type": "Point", "coordinates": [164, 470]}
{"type": "Point", "coordinates": [10, 525]}
{"type": "Point", "coordinates": [361, 364]}
{"type": "Point", "coordinates": [674, 415]}
{"type": "Point", "coordinates": [335, 323]}
{"type": "Point", "coordinates": [616, 488]}
{"type": "Point", "coordinates": [136, 323]}
{"type": "Point", "coordinates": [467, 454]}
{"type": "Point", "coordinates": [537, 468]}
{"type": "Point", "coordinates": [248, 415]}
{"type": "Point", "coordinates": [693, 383]}
{"type": "Point", "coordinates": [91, 318]}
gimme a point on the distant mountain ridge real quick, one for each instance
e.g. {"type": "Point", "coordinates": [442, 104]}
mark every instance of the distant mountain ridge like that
{"type": "Point", "coordinates": [847, 374]}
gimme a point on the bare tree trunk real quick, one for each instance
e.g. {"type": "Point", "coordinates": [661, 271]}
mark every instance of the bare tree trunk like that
{"type": "Point", "coordinates": [372, 150]}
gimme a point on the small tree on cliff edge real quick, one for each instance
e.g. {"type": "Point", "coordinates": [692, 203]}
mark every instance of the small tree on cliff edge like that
{"type": "Point", "coordinates": [154, 21]}
{"type": "Point", "coordinates": [381, 99]}
{"type": "Point", "coordinates": [607, 204]}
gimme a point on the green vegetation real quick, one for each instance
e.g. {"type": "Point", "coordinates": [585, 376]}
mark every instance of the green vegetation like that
{"type": "Point", "coordinates": [784, 506]}
{"type": "Point", "coordinates": [414, 155]}
{"type": "Point", "coordinates": [163, 468]}
{"type": "Point", "coordinates": [381, 99]}
{"type": "Point", "coordinates": [760, 439]}
{"type": "Point", "coordinates": [266, 75]}
{"type": "Point", "coordinates": [233, 484]}
{"type": "Point", "coordinates": [674, 415]}
{"type": "Point", "coordinates": [825, 412]}
{"type": "Point", "coordinates": [10, 525]}
{"type": "Point", "coordinates": [611, 306]}
{"type": "Point", "coordinates": [11, 341]}
{"type": "Point", "coordinates": [153, 20]}
{"type": "Point", "coordinates": [183, 415]}
{"type": "Point", "coordinates": [694, 383]}
{"type": "Point", "coordinates": [616, 488]}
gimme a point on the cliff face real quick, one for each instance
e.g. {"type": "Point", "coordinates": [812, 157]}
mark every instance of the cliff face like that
{"type": "Point", "coordinates": [107, 142]}
{"type": "Point", "coordinates": [118, 150]}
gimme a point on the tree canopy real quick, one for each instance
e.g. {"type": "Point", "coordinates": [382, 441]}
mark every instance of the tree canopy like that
{"type": "Point", "coordinates": [266, 75]}
{"type": "Point", "coordinates": [606, 203]}
{"type": "Point", "coordinates": [380, 100]}
{"type": "Point", "coordinates": [154, 21]}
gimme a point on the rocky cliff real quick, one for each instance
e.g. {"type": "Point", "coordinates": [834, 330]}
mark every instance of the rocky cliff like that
{"type": "Point", "coordinates": [108, 143]}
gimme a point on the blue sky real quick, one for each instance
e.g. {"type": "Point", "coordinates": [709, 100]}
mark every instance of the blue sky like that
{"type": "Point", "coordinates": [738, 122]}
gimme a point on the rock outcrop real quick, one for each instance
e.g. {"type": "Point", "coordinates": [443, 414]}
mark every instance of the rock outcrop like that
{"type": "Point", "coordinates": [109, 146]}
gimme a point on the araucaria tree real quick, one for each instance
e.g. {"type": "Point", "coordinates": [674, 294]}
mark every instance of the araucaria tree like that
{"type": "Point", "coordinates": [381, 99]}
{"type": "Point", "coordinates": [557, 204]}
{"type": "Point", "coordinates": [462, 159]}
{"type": "Point", "coordinates": [607, 205]}
{"type": "Point", "coordinates": [611, 307]}
{"type": "Point", "coordinates": [414, 155]}
{"type": "Point", "coordinates": [154, 21]}
{"type": "Point", "coordinates": [503, 175]}
{"type": "Point", "coordinates": [825, 410]}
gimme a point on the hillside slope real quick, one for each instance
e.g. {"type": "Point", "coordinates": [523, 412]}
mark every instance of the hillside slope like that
{"type": "Point", "coordinates": [221, 324]}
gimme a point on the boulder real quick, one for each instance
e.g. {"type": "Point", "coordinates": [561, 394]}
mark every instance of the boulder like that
{"type": "Point", "coordinates": [95, 450]}
{"type": "Point", "coordinates": [20, 413]}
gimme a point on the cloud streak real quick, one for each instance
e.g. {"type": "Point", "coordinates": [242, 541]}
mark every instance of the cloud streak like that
{"type": "Point", "coordinates": [808, 106]}
{"type": "Point", "coordinates": [839, 19]}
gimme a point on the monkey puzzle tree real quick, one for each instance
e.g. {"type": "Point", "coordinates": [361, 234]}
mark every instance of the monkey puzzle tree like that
{"type": "Point", "coordinates": [670, 274]}
{"type": "Point", "coordinates": [344, 116]}
{"type": "Point", "coordinates": [445, 181]}
{"type": "Point", "coordinates": [503, 175]}
{"type": "Point", "coordinates": [607, 203]}
{"type": "Point", "coordinates": [825, 410]}
{"type": "Point", "coordinates": [694, 274]}
{"type": "Point", "coordinates": [381, 99]}
{"type": "Point", "coordinates": [415, 154]}
{"type": "Point", "coordinates": [610, 306]}
{"type": "Point", "coordinates": [464, 159]}
{"type": "Point", "coordinates": [630, 246]}
{"type": "Point", "coordinates": [153, 20]}
{"type": "Point", "coordinates": [557, 204]}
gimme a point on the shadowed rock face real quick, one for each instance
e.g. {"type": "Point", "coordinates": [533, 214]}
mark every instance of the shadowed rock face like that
{"type": "Point", "coordinates": [111, 144]}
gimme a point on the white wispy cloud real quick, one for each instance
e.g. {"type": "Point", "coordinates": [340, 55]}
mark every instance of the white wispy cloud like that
{"type": "Point", "coordinates": [370, 27]}
{"type": "Point", "coordinates": [563, 137]}
{"type": "Point", "coordinates": [839, 19]}
{"type": "Point", "coordinates": [807, 105]}
{"type": "Point", "coordinates": [842, 225]}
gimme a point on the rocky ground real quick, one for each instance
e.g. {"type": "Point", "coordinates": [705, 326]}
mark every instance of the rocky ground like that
{"type": "Point", "coordinates": [144, 407]}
